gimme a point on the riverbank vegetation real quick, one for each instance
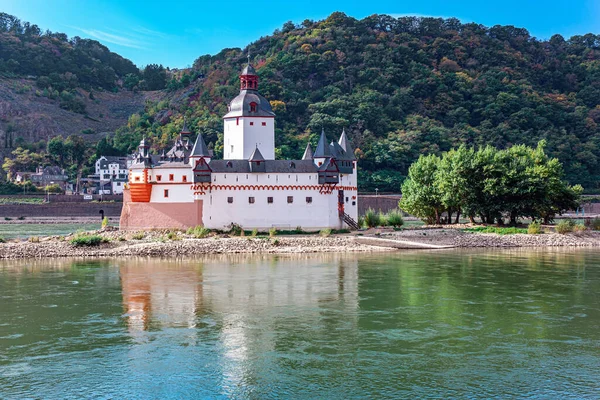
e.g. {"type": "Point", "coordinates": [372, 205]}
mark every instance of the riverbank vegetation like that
{"type": "Point", "coordinates": [488, 183]}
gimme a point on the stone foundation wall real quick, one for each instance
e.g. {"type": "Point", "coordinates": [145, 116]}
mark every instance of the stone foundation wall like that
{"type": "Point", "coordinates": [136, 216]}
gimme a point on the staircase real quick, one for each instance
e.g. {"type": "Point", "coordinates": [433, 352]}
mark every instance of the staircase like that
{"type": "Point", "coordinates": [349, 221]}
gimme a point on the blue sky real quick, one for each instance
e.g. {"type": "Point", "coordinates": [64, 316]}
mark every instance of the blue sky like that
{"type": "Point", "coordinates": [175, 33]}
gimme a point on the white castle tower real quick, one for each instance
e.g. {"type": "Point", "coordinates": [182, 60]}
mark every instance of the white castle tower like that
{"type": "Point", "coordinates": [250, 122]}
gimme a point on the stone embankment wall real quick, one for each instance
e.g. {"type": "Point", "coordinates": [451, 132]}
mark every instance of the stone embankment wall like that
{"type": "Point", "coordinates": [383, 203]}
{"type": "Point", "coordinates": [60, 210]}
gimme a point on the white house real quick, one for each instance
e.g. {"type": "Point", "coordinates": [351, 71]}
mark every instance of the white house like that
{"type": "Point", "coordinates": [111, 174]}
{"type": "Point", "coordinates": [185, 187]}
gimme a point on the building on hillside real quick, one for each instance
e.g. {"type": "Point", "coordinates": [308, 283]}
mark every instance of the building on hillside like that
{"type": "Point", "coordinates": [110, 175]}
{"type": "Point", "coordinates": [186, 187]}
{"type": "Point", "coordinates": [46, 176]}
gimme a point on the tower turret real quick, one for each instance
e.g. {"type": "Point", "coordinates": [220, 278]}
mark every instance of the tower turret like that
{"type": "Point", "coordinates": [250, 122]}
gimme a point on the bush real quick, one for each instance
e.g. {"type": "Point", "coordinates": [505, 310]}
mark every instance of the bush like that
{"type": "Point", "coordinates": [594, 224]}
{"type": "Point", "coordinates": [298, 230]}
{"type": "Point", "coordinates": [565, 226]}
{"type": "Point", "coordinates": [2, 240]}
{"type": "Point", "coordinates": [372, 218]}
{"type": "Point", "coordinates": [272, 232]}
{"type": "Point", "coordinates": [199, 232]}
{"type": "Point", "coordinates": [138, 236]}
{"type": "Point", "coordinates": [496, 230]}
{"type": "Point", "coordinates": [534, 228]}
{"type": "Point", "coordinates": [383, 219]}
{"type": "Point", "coordinates": [84, 239]}
{"type": "Point", "coordinates": [235, 230]}
{"type": "Point", "coordinates": [172, 236]}
{"type": "Point", "coordinates": [104, 222]}
{"type": "Point", "coordinates": [361, 221]}
{"type": "Point", "coordinates": [254, 232]}
{"type": "Point", "coordinates": [325, 232]}
{"type": "Point", "coordinates": [33, 239]}
{"type": "Point", "coordinates": [579, 228]}
{"type": "Point", "coordinates": [394, 218]}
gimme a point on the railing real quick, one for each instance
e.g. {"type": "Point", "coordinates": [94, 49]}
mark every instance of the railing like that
{"type": "Point", "coordinates": [349, 221]}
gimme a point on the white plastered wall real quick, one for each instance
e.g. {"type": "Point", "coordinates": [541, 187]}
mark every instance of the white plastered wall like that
{"type": "Point", "coordinates": [241, 138]}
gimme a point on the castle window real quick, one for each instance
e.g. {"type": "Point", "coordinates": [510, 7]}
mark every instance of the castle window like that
{"type": "Point", "coordinates": [270, 200]}
{"type": "Point", "coordinates": [171, 177]}
{"type": "Point", "coordinates": [137, 178]}
{"type": "Point", "coordinates": [229, 165]}
{"type": "Point", "coordinates": [292, 165]}
{"type": "Point", "coordinates": [251, 123]}
{"type": "Point", "coordinates": [253, 107]}
{"type": "Point", "coordinates": [251, 200]}
{"type": "Point", "coordinates": [230, 200]}
{"type": "Point", "coordinates": [308, 200]}
{"type": "Point", "coordinates": [264, 124]}
{"type": "Point", "coordinates": [184, 178]}
{"type": "Point", "coordinates": [353, 203]}
{"type": "Point", "coordinates": [166, 192]}
{"type": "Point", "coordinates": [232, 148]}
{"type": "Point", "coordinates": [290, 199]}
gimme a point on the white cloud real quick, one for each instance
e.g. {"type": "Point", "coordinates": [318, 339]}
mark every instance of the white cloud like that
{"type": "Point", "coordinates": [119, 39]}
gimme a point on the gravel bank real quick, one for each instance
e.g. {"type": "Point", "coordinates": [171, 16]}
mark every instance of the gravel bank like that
{"type": "Point", "coordinates": [459, 238]}
{"type": "Point", "coordinates": [156, 244]}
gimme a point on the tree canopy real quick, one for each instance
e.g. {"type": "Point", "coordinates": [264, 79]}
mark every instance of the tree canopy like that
{"type": "Point", "coordinates": [488, 183]}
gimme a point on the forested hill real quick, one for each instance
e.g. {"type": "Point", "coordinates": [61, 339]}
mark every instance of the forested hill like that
{"type": "Point", "coordinates": [56, 61]}
{"type": "Point", "coordinates": [408, 86]}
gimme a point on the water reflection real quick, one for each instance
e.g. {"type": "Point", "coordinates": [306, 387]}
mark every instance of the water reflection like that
{"type": "Point", "coordinates": [415, 324]}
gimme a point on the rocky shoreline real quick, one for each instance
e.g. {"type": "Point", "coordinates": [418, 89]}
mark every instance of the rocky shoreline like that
{"type": "Point", "coordinates": [180, 244]}
{"type": "Point", "coordinates": [158, 244]}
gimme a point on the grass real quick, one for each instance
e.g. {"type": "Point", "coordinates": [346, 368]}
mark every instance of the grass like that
{"type": "Point", "coordinates": [84, 239]}
{"type": "Point", "coordinates": [325, 232]}
{"type": "Point", "coordinates": [496, 229]}
{"type": "Point", "coordinates": [138, 236]}
{"type": "Point", "coordinates": [199, 232]}
{"type": "Point", "coordinates": [534, 228]}
{"type": "Point", "coordinates": [33, 200]}
{"type": "Point", "coordinates": [565, 226]}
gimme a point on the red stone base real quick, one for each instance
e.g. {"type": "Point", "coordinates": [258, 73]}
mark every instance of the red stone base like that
{"type": "Point", "coordinates": [141, 216]}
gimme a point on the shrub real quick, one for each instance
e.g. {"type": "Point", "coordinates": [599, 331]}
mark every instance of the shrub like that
{"type": "Point", "coordinates": [325, 232]}
{"type": "Point", "coordinates": [372, 218]}
{"type": "Point", "coordinates": [383, 219]}
{"type": "Point", "coordinates": [272, 232]}
{"type": "Point", "coordinates": [565, 226]}
{"type": "Point", "coordinates": [138, 236]}
{"type": "Point", "coordinates": [172, 236]}
{"type": "Point", "coordinates": [84, 239]}
{"type": "Point", "coordinates": [21, 218]}
{"type": "Point", "coordinates": [361, 221]}
{"type": "Point", "coordinates": [254, 232]}
{"type": "Point", "coordinates": [235, 230]}
{"type": "Point", "coordinates": [394, 218]}
{"type": "Point", "coordinates": [496, 230]}
{"type": "Point", "coordinates": [2, 240]}
{"type": "Point", "coordinates": [104, 222]}
{"type": "Point", "coordinates": [594, 224]}
{"type": "Point", "coordinates": [33, 239]}
{"type": "Point", "coordinates": [534, 228]}
{"type": "Point", "coordinates": [276, 242]}
{"type": "Point", "coordinates": [579, 228]}
{"type": "Point", "coordinates": [199, 232]}
{"type": "Point", "coordinates": [298, 230]}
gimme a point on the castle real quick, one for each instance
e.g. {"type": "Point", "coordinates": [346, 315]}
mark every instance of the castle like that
{"type": "Point", "coordinates": [185, 187]}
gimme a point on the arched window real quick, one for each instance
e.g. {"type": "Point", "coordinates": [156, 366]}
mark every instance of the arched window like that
{"type": "Point", "coordinates": [253, 107]}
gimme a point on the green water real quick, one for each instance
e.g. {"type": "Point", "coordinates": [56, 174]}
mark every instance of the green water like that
{"type": "Point", "coordinates": [452, 324]}
{"type": "Point", "coordinates": [12, 231]}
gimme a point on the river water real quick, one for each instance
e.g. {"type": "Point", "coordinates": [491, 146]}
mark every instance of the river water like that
{"type": "Point", "coordinates": [448, 324]}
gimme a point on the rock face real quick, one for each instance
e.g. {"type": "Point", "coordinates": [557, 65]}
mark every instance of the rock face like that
{"type": "Point", "coordinates": [26, 113]}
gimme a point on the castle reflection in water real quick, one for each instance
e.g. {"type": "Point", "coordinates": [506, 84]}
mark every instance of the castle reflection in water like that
{"type": "Point", "coordinates": [169, 293]}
